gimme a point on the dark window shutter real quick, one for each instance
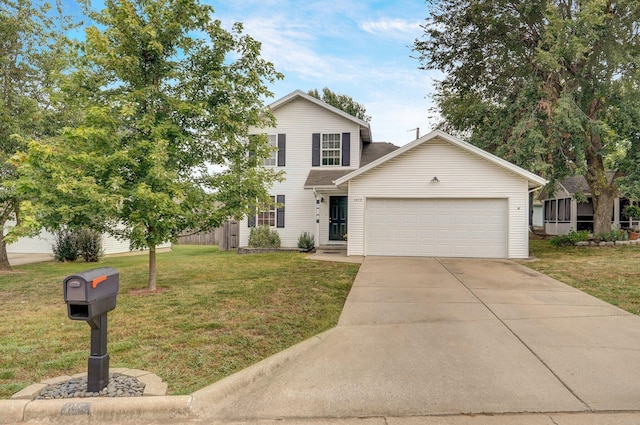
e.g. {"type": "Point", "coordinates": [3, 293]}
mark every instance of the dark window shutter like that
{"type": "Point", "coordinates": [346, 148]}
{"type": "Point", "coordinates": [280, 212]}
{"type": "Point", "coordinates": [315, 152]}
{"type": "Point", "coordinates": [251, 221]}
{"type": "Point", "coordinates": [282, 150]}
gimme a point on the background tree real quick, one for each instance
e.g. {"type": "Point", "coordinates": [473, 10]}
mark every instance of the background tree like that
{"type": "Point", "coordinates": [343, 102]}
{"type": "Point", "coordinates": [167, 95]}
{"type": "Point", "coordinates": [552, 86]}
{"type": "Point", "coordinates": [31, 57]}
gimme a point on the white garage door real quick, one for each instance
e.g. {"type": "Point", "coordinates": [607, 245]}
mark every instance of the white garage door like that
{"type": "Point", "coordinates": [437, 227]}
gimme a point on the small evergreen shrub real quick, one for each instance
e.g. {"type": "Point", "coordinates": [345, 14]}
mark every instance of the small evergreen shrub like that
{"type": "Point", "coordinates": [306, 241]}
{"type": "Point", "coordinates": [73, 244]}
{"type": "Point", "coordinates": [264, 237]}
{"type": "Point", "coordinates": [571, 238]}
{"type": "Point", "coordinates": [66, 246]}
{"type": "Point", "coordinates": [89, 243]}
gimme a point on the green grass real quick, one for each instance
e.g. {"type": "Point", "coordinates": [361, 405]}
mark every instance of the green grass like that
{"type": "Point", "coordinates": [611, 274]}
{"type": "Point", "coordinates": [214, 313]}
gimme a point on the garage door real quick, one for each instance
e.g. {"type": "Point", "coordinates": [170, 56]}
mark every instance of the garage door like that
{"type": "Point", "coordinates": [437, 227]}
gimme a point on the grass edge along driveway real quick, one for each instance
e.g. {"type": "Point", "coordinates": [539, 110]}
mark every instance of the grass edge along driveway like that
{"type": "Point", "coordinates": [609, 273]}
{"type": "Point", "coordinates": [214, 314]}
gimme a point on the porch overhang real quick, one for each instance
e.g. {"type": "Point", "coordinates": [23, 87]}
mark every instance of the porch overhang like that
{"type": "Point", "coordinates": [322, 179]}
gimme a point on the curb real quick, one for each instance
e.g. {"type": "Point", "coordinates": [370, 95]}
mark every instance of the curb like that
{"type": "Point", "coordinates": [136, 409]}
{"type": "Point", "coordinates": [214, 393]}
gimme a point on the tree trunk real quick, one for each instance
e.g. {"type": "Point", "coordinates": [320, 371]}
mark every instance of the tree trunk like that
{"type": "Point", "coordinates": [602, 212]}
{"type": "Point", "coordinates": [4, 258]}
{"type": "Point", "coordinates": [152, 268]}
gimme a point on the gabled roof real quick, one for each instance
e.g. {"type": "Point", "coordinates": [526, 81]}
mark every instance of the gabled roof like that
{"type": "Point", "coordinates": [365, 128]}
{"type": "Point", "coordinates": [534, 180]}
{"type": "Point", "coordinates": [572, 185]}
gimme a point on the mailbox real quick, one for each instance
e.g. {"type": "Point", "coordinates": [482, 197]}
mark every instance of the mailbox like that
{"type": "Point", "coordinates": [91, 293]}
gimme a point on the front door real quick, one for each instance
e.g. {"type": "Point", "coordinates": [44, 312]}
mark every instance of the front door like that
{"type": "Point", "coordinates": [337, 217]}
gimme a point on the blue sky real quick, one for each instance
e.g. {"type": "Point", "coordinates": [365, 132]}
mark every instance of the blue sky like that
{"type": "Point", "coordinates": [361, 48]}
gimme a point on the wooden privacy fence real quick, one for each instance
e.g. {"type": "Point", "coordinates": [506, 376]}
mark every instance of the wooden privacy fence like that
{"type": "Point", "coordinates": [226, 237]}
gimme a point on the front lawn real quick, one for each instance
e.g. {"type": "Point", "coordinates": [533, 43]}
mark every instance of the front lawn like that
{"type": "Point", "coordinates": [214, 314]}
{"type": "Point", "coordinates": [609, 273]}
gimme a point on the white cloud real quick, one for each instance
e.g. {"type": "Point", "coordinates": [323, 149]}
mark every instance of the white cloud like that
{"type": "Point", "coordinates": [392, 27]}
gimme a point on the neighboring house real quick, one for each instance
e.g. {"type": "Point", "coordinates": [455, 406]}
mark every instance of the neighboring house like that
{"type": "Point", "coordinates": [563, 213]}
{"type": "Point", "coordinates": [436, 196]}
{"type": "Point", "coordinates": [43, 244]}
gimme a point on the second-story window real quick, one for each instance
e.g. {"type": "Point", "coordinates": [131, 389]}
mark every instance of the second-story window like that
{"type": "Point", "coordinates": [273, 141]}
{"type": "Point", "coordinates": [331, 149]}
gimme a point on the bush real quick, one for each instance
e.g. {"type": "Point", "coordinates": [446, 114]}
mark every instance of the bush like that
{"type": "Point", "coordinates": [89, 243]}
{"type": "Point", "coordinates": [66, 246]}
{"type": "Point", "coordinates": [612, 236]}
{"type": "Point", "coordinates": [306, 241]}
{"type": "Point", "coordinates": [570, 239]}
{"type": "Point", "coordinates": [264, 237]}
{"type": "Point", "coordinates": [73, 244]}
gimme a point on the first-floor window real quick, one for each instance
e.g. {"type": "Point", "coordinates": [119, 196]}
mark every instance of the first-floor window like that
{"type": "Point", "coordinates": [271, 215]}
{"type": "Point", "coordinates": [267, 215]}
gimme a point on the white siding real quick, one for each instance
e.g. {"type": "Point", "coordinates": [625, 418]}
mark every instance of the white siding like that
{"type": "Point", "coordinates": [299, 119]}
{"type": "Point", "coordinates": [43, 244]}
{"type": "Point", "coordinates": [461, 174]}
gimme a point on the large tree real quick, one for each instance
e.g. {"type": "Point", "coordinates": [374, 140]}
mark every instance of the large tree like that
{"type": "Point", "coordinates": [551, 85]}
{"type": "Point", "coordinates": [31, 58]}
{"type": "Point", "coordinates": [343, 102]}
{"type": "Point", "coordinates": [168, 96]}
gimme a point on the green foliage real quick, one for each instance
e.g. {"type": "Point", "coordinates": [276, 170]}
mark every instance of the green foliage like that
{"type": "Point", "coordinates": [73, 244]}
{"type": "Point", "coordinates": [32, 51]}
{"type": "Point", "coordinates": [632, 211]}
{"type": "Point", "coordinates": [89, 243]}
{"type": "Point", "coordinates": [551, 86]}
{"type": "Point", "coordinates": [66, 246]}
{"type": "Point", "coordinates": [306, 241]}
{"type": "Point", "coordinates": [343, 102]}
{"type": "Point", "coordinates": [571, 238]}
{"type": "Point", "coordinates": [264, 237]}
{"type": "Point", "coordinates": [163, 94]}
{"type": "Point", "coordinates": [611, 236]}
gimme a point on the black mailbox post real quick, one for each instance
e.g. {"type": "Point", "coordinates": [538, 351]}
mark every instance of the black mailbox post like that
{"type": "Point", "coordinates": [90, 295]}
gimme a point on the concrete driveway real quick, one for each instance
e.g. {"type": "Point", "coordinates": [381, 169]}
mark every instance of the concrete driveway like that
{"type": "Point", "coordinates": [425, 336]}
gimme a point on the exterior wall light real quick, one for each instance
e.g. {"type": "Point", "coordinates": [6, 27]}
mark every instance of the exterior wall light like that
{"type": "Point", "coordinates": [435, 180]}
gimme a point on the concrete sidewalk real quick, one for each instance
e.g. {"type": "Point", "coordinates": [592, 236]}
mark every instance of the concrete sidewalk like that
{"type": "Point", "coordinates": [421, 341]}
{"type": "Point", "coordinates": [423, 337]}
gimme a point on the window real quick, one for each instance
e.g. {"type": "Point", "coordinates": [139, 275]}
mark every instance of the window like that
{"type": "Point", "coordinates": [564, 210]}
{"type": "Point", "coordinates": [331, 149]}
{"type": "Point", "coordinates": [267, 217]}
{"type": "Point", "coordinates": [273, 141]}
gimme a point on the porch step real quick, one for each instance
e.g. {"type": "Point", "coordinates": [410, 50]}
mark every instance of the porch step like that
{"type": "Point", "coordinates": [332, 249]}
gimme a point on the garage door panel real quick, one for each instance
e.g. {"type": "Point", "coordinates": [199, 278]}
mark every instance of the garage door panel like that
{"type": "Point", "coordinates": [437, 227]}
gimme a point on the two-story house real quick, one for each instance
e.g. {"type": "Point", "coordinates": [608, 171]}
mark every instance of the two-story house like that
{"type": "Point", "coordinates": [436, 196]}
{"type": "Point", "coordinates": [315, 144]}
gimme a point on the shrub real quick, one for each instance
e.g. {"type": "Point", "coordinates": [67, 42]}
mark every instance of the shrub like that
{"type": "Point", "coordinates": [66, 246]}
{"type": "Point", "coordinates": [306, 241]}
{"type": "Point", "coordinates": [264, 237]}
{"type": "Point", "coordinates": [73, 244]}
{"type": "Point", "coordinates": [89, 243]}
{"type": "Point", "coordinates": [571, 238]}
{"type": "Point", "coordinates": [612, 236]}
